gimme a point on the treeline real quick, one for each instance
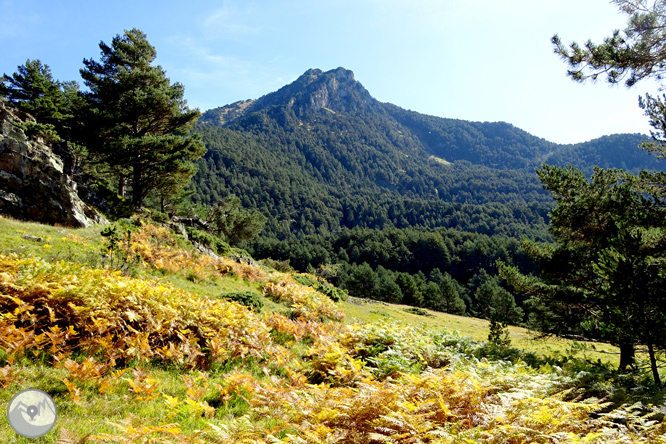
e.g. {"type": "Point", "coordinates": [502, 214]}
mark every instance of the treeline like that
{"type": "Point", "coordinates": [442, 269]}
{"type": "Point", "coordinates": [410, 250]}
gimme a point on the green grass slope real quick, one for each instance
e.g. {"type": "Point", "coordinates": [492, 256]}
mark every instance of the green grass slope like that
{"type": "Point", "coordinates": [138, 344]}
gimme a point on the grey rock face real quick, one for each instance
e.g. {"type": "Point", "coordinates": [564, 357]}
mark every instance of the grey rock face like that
{"type": "Point", "coordinates": [32, 183]}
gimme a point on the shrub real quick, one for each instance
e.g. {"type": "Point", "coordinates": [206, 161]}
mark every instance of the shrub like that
{"type": "Point", "coordinates": [159, 217]}
{"type": "Point", "coordinates": [282, 266]}
{"type": "Point", "coordinates": [247, 298]}
{"type": "Point", "coordinates": [417, 311]}
{"type": "Point", "coordinates": [336, 294]}
{"type": "Point", "coordinates": [498, 333]}
{"type": "Point", "coordinates": [216, 244]}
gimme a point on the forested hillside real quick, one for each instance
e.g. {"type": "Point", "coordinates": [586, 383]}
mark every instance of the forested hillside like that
{"type": "Point", "coordinates": [306, 188]}
{"type": "Point", "coordinates": [321, 153]}
{"type": "Point", "coordinates": [332, 168]}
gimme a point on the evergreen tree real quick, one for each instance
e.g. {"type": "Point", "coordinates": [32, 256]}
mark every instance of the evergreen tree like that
{"type": "Point", "coordinates": [636, 53]}
{"type": "Point", "coordinates": [626, 244]}
{"type": "Point", "coordinates": [431, 295]}
{"type": "Point", "coordinates": [387, 290]}
{"type": "Point", "coordinates": [33, 90]}
{"type": "Point", "coordinates": [450, 301]}
{"type": "Point", "coordinates": [361, 281]}
{"type": "Point", "coordinates": [604, 276]}
{"type": "Point", "coordinates": [137, 120]}
{"type": "Point", "coordinates": [234, 223]}
{"type": "Point", "coordinates": [436, 276]}
{"type": "Point", "coordinates": [498, 332]}
{"type": "Point", "coordinates": [631, 55]}
{"type": "Point", "coordinates": [493, 301]}
{"type": "Point", "coordinates": [411, 295]}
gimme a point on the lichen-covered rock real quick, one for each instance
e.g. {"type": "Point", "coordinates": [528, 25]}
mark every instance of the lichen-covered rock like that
{"type": "Point", "coordinates": [33, 185]}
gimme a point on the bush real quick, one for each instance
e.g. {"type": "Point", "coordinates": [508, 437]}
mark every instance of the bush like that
{"type": "Point", "coordinates": [159, 217]}
{"type": "Point", "coordinates": [336, 294]}
{"type": "Point", "coordinates": [282, 266]}
{"type": "Point", "coordinates": [247, 298]}
{"type": "Point", "coordinates": [417, 311]}
{"type": "Point", "coordinates": [216, 244]}
{"type": "Point", "coordinates": [498, 333]}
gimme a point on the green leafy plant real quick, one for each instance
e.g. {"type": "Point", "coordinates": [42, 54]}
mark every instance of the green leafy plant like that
{"type": "Point", "coordinates": [120, 256]}
{"type": "Point", "coordinates": [417, 311]}
{"type": "Point", "coordinates": [247, 298]}
{"type": "Point", "coordinates": [336, 294]}
{"type": "Point", "coordinates": [499, 333]}
{"type": "Point", "coordinates": [211, 241]}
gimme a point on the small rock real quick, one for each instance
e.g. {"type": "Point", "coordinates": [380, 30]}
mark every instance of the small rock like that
{"type": "Point", "coordinates": [33, 238]}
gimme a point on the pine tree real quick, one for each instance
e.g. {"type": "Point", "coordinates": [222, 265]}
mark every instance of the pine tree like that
{"type": "Point", "coordinates": [498, 332]}
{"type": "Point", "coordinates": [636, 53]}
{"type": "Point", "coordinates": [410, 290]}
{"type": "Point", "coordinates": [33, 90]}
{"type": "Point", "coordinates": [624, 247]}
{"type": "Point", "coordinates": [451, 302]}
{"type": "Point", "coordinates": [361, 281]}
{"type": "Point", "coordinates": [604, 276]}
{"type": "Point", "coordinates": [387, 289]}
{"type": "Point", "coordinates": [137, 120]}
{"type": "Point", "coordinates": [230, 221]}
{"type": "Point", "coordinates": [493, 301]}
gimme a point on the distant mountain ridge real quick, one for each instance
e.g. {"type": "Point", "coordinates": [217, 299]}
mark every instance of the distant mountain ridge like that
{"type": "Point", "coordinates": [493, 144]}
{"type": "Point", "coordinates": [321, 154]}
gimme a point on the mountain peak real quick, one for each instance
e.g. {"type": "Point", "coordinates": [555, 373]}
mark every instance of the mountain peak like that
{"type": "Point", "coordinates": [336, 90]}
{"type": "Point", "coordinates": [312, 73]}
{"type": "Point", "coordinates": [340, 73]}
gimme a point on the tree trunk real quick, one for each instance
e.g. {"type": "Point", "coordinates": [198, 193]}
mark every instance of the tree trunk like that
{"type": "Point", "coordinates": [137, 185]}
{"type": "Point", "coordinates": [653, 365]}
{"type": "Point", "coordinates": [627, 356]}
{"type": "Point", "coordinates": [122, 186]}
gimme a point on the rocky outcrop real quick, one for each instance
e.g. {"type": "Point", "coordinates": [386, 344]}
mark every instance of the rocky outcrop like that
{"type": "Point", "coordinates": [228, 113]}
{"type": "Point", "coordinates": [33, 185]}
{"type": "Point", "coordinates": [314, 91]}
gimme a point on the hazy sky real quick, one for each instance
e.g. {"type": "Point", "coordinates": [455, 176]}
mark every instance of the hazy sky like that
{"type": "Point", "coordinates": [483, 60]}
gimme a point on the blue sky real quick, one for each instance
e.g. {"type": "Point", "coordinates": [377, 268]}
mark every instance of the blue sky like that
{"type": "Point", "coordinates": [482, 60]}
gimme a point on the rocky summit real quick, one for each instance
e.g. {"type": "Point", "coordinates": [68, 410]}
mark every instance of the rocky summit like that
{"type": "Point", "coordinates": [334, 91]}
